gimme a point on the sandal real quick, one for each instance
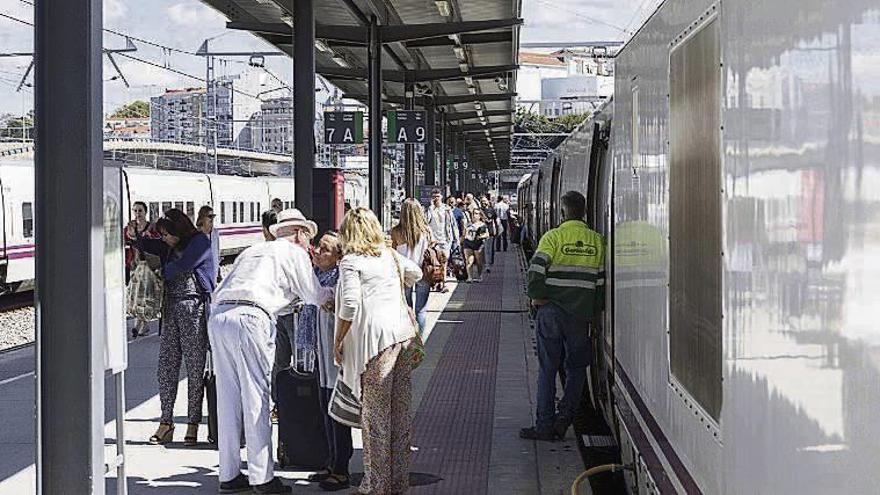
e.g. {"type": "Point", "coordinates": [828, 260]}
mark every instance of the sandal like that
{"type": "Point", "coordinates": [335, 482]}
{"type": "Point", "coordinates": [192, 435]}
{"type": "Point", "coordinates": [164, 434]}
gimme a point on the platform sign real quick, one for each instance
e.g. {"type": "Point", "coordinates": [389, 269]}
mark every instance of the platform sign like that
{"type": "Point", "coordinates": [343, 127]}
{"type": "Point", "coordinates": [407, 126]}
{"type": "Point", "coordinates": [115, 340]}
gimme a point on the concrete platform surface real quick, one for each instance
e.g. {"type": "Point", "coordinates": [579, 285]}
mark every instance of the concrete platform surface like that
{"type": "Point", "coordinates": [470, 397]}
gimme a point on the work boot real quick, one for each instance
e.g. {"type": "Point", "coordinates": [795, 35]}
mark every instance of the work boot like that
{"type": "Point", "coordinates": [239, 484]}
{"type": "Point", "coordinates": [272, 487]}
{"type": "Point", "coordinates": [543, 435]}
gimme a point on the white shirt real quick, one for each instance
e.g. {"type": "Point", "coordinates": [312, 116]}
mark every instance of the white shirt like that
{"type": "Point", "coordinates": [442, 223]}
{"type": "Point", "coordinates": [417, 253]}
{"type": "Point", "coordinates": [501, 210]}
{"type": "Point", "coordinates": [271, 275]}
{"type": "Point", "coordinates": [370, 297]}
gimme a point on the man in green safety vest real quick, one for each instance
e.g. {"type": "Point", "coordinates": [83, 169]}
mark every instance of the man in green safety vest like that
{"type": "Point", "coordinates": [566, 282]}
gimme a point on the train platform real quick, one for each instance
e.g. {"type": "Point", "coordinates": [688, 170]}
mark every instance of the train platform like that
{"type": "Point", "coordinates": [470, 397]}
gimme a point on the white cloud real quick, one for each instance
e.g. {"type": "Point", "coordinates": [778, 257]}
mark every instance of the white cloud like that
{"type": "Point", "coordinates": [194, 15]}
{"type": "Point", "coordinates": [114, 9]}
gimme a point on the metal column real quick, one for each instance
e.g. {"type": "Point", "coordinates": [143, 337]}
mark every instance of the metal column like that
{"type": "Point", "coordinates": [430, 143]}
{"type": "Point", "coordinates": [409, 163]}
{"type": "Point", "coordinates": [304, 104]}
{"type": "Point", "coordinates": [375, 144]}
{"type": "Point", "coordinates": [70, 248]}
{"type": "Point", "coordinates": [443, 151]}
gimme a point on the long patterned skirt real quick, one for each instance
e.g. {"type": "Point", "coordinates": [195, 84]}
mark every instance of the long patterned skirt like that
{"type": "Point", "coordinates": [385, 417]}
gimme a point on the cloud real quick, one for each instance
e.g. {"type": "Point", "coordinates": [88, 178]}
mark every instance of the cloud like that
{"type": "Point", "coordinates": [194, 15]}
{"type": "Point", "coordinates": [114, 9]}
{"type": "Point", "coordinates": [584, 20]}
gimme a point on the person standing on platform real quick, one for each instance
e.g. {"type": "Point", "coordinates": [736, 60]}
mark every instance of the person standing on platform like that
{"type": "Point", "coordinates": [205, 223]}
{"type": "Point", "coordinates": [322, 321]}
{"type": "Point", "coordinates": [443, 227]}
{"type": "Point", "coordinates": [411, 237]}
{"type": "Point", "coordinates": [457, 213]}
{"type": "Point", "coordinates": [491, 221]}
{"type": "Point", "coordinates": [373, 334]}
{"type": "Point", "coordinates": [502, 211]}
{"type": "Point", "coordinates": [139, 228]}
{"type": "Point", "coordinates": [566, 281]}
{"type": "Point", "coordinates": [264, 279]}
{"type": "Point", "coordinates": [190, 277]}
{"type": "Point", "coordinates": [474, 240]}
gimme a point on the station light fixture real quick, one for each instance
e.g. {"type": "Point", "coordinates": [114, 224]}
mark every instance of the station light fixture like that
{"type": "Point", "coordinates": [322, 46]}
{"type": "Point", "coordinates": [287, 19]}
{"type": "Point", "coordinates": [455, 38]}
{"type": "Point", "coordinates": [486, 131]}
{"type": "Point", "coordinates": [460, 54]}
{"type": "Point", "coordinates": [464, 67]}
{"type": "Point", "coordinates": [469, 80]}
{"type": "Point", "coordinates": [478, 105]}
{"type": "Point", "coordinates": [479, 113]}
{"type": "Point", "coordinates": [444, 7]}
{"type": "Point", "coordinates": [472, 90]}
{"type": "Point", "coordinates": [340, 61]}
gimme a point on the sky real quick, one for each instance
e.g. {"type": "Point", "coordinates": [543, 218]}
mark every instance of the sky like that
{"type": "Point", "coordinates": [185, 24]}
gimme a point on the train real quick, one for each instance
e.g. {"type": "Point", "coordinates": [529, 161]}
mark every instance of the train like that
{"type": "Point", "coordinates": [237, 201]}
{"type": "Point", "coordinates": [735, 174]}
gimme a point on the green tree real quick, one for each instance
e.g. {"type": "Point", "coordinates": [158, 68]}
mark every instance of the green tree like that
{"type": "Point", "coordinates": [18, 127]}
{"type": "Point", "coordinates": [135, 109]}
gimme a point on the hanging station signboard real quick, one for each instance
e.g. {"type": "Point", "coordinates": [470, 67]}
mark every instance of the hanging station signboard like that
{"type": "Point", "coordinates": [343, 127]}
{"type": "Point", "coordinates": [407, 126]}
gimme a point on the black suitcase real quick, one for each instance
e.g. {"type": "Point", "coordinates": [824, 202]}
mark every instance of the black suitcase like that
{"type": "Point", "coordinates": [211, 396]}
{"type": "Point", "coordinates": [302, 442]}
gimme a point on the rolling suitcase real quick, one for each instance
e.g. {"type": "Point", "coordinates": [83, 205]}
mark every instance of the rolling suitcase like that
{"type": "Point", "coordinates": [211, 396]}
{"type": "Point", "coordinates": [302, 442]}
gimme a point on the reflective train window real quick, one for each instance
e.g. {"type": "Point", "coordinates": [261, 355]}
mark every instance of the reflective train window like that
{"type": "Point", "coordinates": [191, 210]}
{"type": "Point", "coordinates": [27, 219]}
{"type": "Point", "coordinates": [166, 205]}
{"type": "Point", "coordinates": [695, 216]}
{"type": "Point", "coordinates": [178, 205]}
{"type": "Point", "coordinates": [154, 212]}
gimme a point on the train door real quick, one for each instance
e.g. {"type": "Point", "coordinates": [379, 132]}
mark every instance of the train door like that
{"type": "Point", "coordinates": [4, 256]}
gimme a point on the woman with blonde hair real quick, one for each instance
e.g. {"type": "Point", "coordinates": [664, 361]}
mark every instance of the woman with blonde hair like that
{"type": "Point", "coordinates": [411, 237]}
{"type": "Point", "coordinates": [373, 333]}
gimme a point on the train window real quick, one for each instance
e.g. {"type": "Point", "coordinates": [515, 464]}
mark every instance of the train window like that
{"type": "Point", "coordinates": [178, 205]}
{"type": "Point", "coordinates": [155, 213]}
{"type": "Point", "coordinates": [241, 211]}
{"type": "Point", "coordinates": [223, 212]}
{"type": "Point", "coordinates": [252, 211]}
{"type": "Point", "coordinates": [234, 214]}
{"type": "Point", "coordinates": [27, 219]}
{"type": "Point", "coordinates": [695, 217]}
{"type": "Point", "coordinates": [191, 210]}
{"type": "Point", "coordinates": [166, 205]}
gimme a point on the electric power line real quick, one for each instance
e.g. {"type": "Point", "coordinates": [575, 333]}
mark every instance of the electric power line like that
{"type": "Point", "coordinates": [582, 16]}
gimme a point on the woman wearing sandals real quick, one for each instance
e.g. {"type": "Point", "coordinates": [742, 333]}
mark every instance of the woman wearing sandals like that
{"type": "Point", "coordinates": [411, 237]}
{"type": "Point", "coordinates": [373, 335]}
{"type": "Point", "coordinates": [190, 275]}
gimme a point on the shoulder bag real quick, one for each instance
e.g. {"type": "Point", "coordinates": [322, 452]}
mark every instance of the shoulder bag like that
{"type": "Point", "coordinates": [416, 346]}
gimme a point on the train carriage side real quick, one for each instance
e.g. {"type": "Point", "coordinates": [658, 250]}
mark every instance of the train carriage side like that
{"type": "Point", "coordinates": [17, 221]}
{"type": "Point", "coordinates": [239, 203]}
{"type": "Point", "coordinates": [281, 188]}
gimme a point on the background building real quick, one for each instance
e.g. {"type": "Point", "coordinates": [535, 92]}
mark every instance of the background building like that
{"type": "Point", "coordinates": [178, 115]}
{"type": "Point", "coordinates": [564, 81]}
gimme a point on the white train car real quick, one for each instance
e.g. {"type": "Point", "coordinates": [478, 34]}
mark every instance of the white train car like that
{"type": "Point", "coordinates": [740, 195]}
{"type": "Point", "coordinates": [237, 201]}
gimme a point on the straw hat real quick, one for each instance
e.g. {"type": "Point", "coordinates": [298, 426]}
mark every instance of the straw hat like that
{"type": "Point", "coordinates": [292, 218]}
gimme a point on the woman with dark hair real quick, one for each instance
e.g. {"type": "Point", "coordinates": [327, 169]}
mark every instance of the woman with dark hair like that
{"type": "Point", "coordinates": [190, 277]}
{"type": "Point", "coordinates": [138, 227]}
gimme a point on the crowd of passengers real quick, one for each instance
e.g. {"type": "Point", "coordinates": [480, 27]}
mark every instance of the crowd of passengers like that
{"type": "Point", "coordinates": [329, 304]}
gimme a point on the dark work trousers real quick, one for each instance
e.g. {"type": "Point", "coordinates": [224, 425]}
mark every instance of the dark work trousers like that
{"type": "Point", "coordinates": [501, 238]}
{"type": "Point", "coordinates": [285, 326]}
{"type": "Point", "coordinates": [563, 340]}
{"type": "Point", "coordinates": [183, 337]}
{"type": "Point", "coordinates": [338, 438]}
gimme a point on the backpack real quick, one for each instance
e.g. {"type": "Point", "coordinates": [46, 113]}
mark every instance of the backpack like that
{"type": "Point", "coordinates": [456, 263]}
{"type": "Point", "coordinates": [433, 264]}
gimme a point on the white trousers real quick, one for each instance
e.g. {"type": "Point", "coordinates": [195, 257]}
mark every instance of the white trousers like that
{"type": "Point", "coordinates": [243, 349]}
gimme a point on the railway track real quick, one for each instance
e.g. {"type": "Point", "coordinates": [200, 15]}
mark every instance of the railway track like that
{"type": "Point", "coordinates": [16, 321]}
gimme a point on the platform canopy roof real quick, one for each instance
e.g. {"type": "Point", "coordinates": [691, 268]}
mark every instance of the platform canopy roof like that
{"type": "Point", "coordinates": [463, 53]}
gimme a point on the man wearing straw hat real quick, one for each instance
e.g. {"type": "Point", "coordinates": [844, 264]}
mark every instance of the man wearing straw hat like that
{"type": "Point", "coordinates": [264, 279]}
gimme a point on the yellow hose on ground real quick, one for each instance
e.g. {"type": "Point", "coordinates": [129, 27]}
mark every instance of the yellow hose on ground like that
{"type": "Point", "coordinates": [594, 470]}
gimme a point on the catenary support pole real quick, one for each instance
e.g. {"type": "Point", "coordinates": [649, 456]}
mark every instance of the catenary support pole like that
{"type": "Point", "coordinates": [409, 162]}
{"type": "Point", "coordinates": [304, 104]}
{"type": "Point", "coordinates": [431, 141]}
{"type": "Point", "coordinates": [375, 146]}
{"type": "Point", "coordinates": [444, 148]}
{"type": "Point", "coordinates": [70, 247]}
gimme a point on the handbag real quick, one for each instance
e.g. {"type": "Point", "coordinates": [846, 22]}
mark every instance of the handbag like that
{"type": "Point", "coordinates": [344, 407]}
{"type": "Point", "coordinates": [416, 346]}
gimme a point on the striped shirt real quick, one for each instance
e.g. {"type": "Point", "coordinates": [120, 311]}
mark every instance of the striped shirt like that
{"type": "Point", "coordinates": [568, 269]}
